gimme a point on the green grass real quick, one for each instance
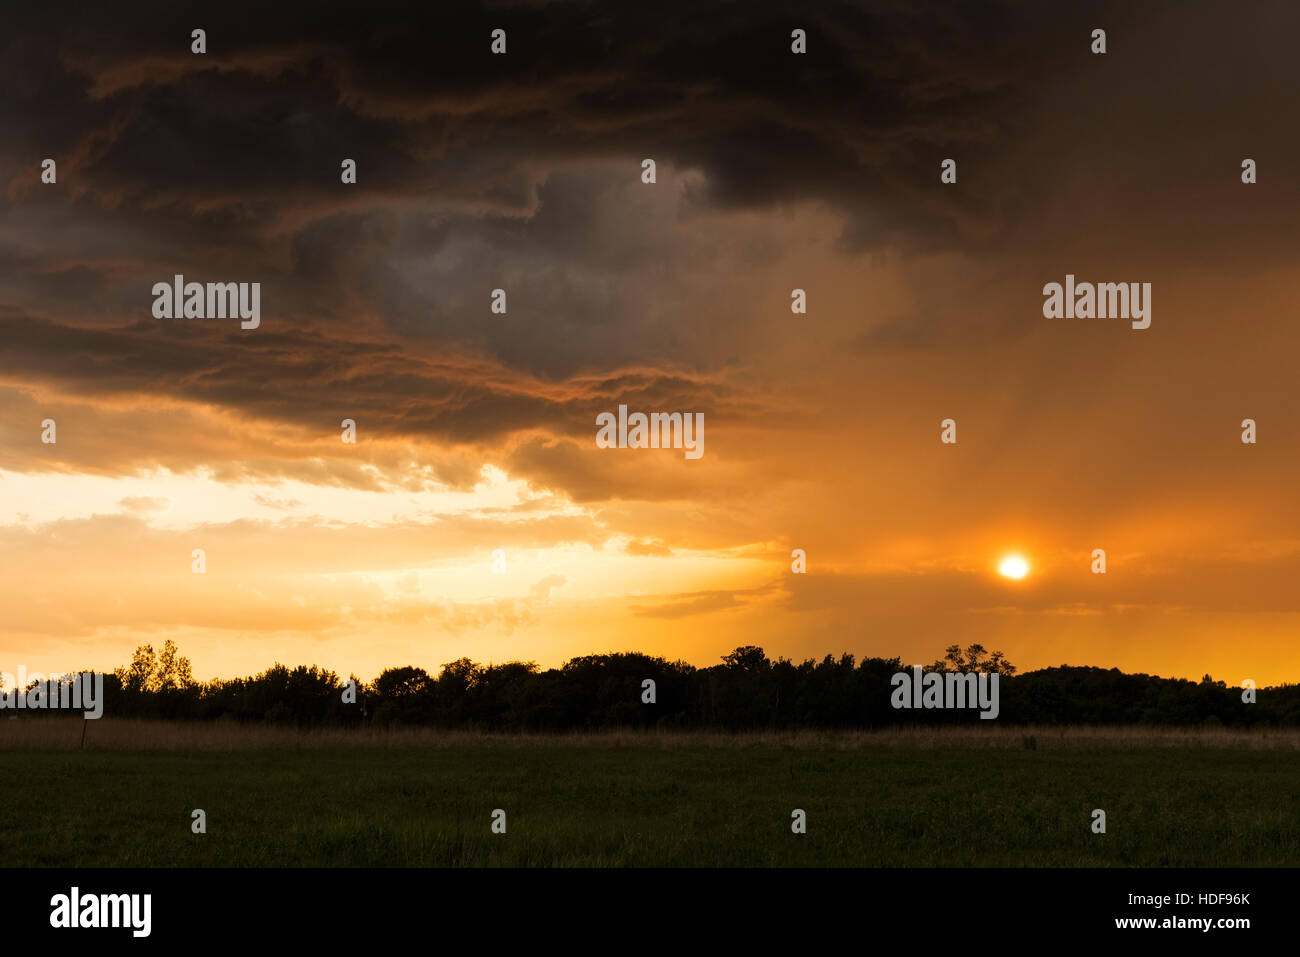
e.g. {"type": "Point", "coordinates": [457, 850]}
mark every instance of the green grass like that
{"type": "Point", "coordinates": [640, 806]}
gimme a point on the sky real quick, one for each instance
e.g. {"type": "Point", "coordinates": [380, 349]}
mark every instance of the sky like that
{"type": "Point", "coordinates": [475, 514]}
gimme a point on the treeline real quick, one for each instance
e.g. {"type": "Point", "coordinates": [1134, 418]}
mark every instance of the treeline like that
{"type": "Point", "coordinates": [747, 690]}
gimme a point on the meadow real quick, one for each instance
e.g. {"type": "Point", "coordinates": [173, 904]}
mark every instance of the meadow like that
{"type": "Point", "coordinates": [960, 796]}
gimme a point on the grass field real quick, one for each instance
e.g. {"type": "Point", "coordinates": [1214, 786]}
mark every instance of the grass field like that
{"type": "Point", "coordinates": [959, 798]}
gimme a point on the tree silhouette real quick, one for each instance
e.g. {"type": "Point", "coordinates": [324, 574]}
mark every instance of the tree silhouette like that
{"type": "Point", "coordinates": [976, 659]}
{"type": "Point", "coordinates": [746, 690]}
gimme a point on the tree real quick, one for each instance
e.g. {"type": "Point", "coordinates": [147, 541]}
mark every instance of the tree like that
{"type": "Point", "coordinates": [136, 676]}
{"type": "Point", "coordinates": [173, 671]}
{"type": "Point", "coordinates": [975, 660]}
{"type": "Point", "coordinates": [403, 695]}
{"type": "Point", "coordinates": [398, 683]}
{"type": "Point", "coordinates": [456, 683]}
{"type": "Point", "coordinates": [747, 658]}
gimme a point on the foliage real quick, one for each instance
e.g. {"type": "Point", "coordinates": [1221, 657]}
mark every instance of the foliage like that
{"type": "Point", "coordinates": [747, 690]}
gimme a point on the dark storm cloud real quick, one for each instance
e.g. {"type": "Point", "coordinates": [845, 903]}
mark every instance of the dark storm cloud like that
{"type": "Point", "coordinates": [522, 171]}
{"type": "Point", "coordinates": [253, 130]}
{"type": "Point", "coordinates": [310, 380]}
{"type": "Point", "coordinates": [417, 97]}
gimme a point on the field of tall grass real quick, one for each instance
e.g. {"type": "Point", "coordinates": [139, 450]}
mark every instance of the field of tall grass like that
{"type": "Point", "coordinates": [115, 734]}
{"type": "Point", "coordinates": [958, 796]}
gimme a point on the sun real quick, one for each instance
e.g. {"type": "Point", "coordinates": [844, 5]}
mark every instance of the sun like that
{"type": "Point", "coordinates": [1013, 566]}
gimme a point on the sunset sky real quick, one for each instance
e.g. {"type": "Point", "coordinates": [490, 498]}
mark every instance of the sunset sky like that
{"type": "Point", "coordinates": [476, 431]}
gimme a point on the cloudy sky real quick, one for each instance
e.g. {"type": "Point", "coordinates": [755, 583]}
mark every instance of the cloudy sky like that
{"type": "Point", "coordinates": [476, 431]}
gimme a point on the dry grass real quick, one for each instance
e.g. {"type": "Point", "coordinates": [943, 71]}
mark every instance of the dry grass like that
{"type": "Point", "coordinates": [109, 734]}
